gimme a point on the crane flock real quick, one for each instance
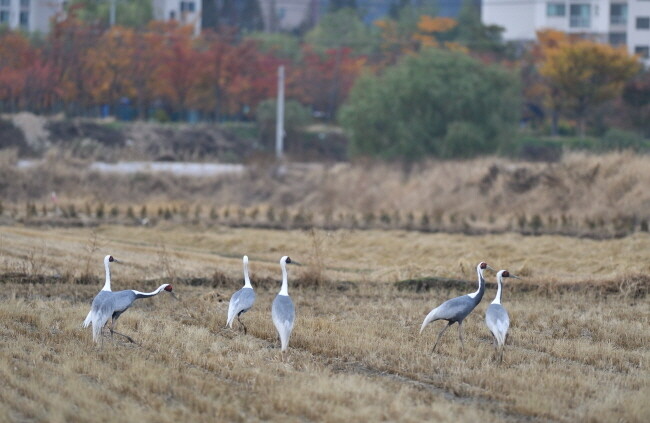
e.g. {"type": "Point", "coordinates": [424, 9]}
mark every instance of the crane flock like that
{"type": "Point", "coordinates": [110, 305]}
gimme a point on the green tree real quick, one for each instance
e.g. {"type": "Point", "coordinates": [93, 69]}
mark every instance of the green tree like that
{"type": "Point", "coordinates": [278, 43]}
{"type": "Point", "coordinates": [439, 103]}
{"type": "Point", "coordinates": [296, 117]}
{"type": "Point", "coordinates": [342, 4]}
{"type": "Point", "coordinates": [472, 33]}
{"type": "Point", "coordinates": [343, 28]}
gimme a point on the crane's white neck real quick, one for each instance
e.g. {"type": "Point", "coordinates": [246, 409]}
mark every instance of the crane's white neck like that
{"type": "Point", "coordinates": [481, 281]}
{"type": "Point", "coordinates": [497, 299]}
{"type": "Point", "coordinates": [150, 294]}
{"type": "Point", "coordinates": [247, 281]}
{"type": "Point", "coordinates": [107, 284]}
{"type": "Point", "coordinates": [285, 283]}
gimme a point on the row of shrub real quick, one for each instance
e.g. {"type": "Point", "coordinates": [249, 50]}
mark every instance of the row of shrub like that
{"type": "Point", "coordinates": [284, 218]}
{"type": "Point", "coordinates": [535, 148]}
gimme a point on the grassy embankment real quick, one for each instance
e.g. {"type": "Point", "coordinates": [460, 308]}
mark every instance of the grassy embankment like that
{"type": "Point", "coordinates": [583, 195]}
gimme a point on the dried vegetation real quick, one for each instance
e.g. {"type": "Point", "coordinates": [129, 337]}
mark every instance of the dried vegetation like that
{"type": "Point", "coordinates": [582, 195]}
{"type": "Point", "coordinates": [578, 350]}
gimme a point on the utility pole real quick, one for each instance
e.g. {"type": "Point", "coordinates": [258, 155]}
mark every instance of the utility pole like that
{"type": "Point", "coordinates": [279, 124]}
{"type": "Point", "coordinates": [111, 18]}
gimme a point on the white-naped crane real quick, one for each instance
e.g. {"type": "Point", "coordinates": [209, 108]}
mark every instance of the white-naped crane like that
{"type": "Point", "coordinates": [242, 300]}
{"type": "Point", "coordinates": [283, 311]}
{"type": "Point", "coordinates": [496, 316]}
{"type": "Point", "coordinates": [457, 309]}
{"type": "Point", "coordinates": [107, 284]}
{"type": "Point", "coordinates": [110, 305]}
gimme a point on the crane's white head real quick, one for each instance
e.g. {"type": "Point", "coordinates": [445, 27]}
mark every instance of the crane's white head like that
{"type": "Point", "coordinates": [168, 287]}
{"type": "Point", "coordinates": [506, 274]}
{"type": "Point", "coordinates": [285, 260]}
{"type": "Point", "coordinates": [482, 266]}
{"type": "Point", "coordinates": [110, 259]}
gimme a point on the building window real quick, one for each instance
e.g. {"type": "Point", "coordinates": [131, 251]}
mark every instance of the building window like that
{"type": "Point", "coordinates": [617, 38]}
{"type": "Point", "coordinates": [24, 4]}
{"type": "Point", "coordinates": [643, 22]}
{"type": "Point", "coordinates": [187, 6]}
{"type": "Point", "coordinates": [23, 19]}
{"type": "Point", "coordinates": [555, 9]}
{"type": "Point", "coordinates": [4, 16]}
{"type": "Point", "coordinates": [618, 14]}
{"type": "Point", "coordinates": [172, 15]}
{"type": "Point", "coordinates": [580, 16]}
{"type": "Point", "coordinates": [643, 51]}
{"type": "Point", "coordinates": [5, 3]}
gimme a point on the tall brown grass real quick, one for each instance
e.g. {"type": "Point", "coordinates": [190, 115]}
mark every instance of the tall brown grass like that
{"type": "Point", "coordinates": [580, 185]}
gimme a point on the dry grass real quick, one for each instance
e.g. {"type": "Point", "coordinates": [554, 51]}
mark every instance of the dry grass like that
{"type": "Point", "coordinates": [598, 195]}
{"type": "Point", "coordinates": [355, 354]}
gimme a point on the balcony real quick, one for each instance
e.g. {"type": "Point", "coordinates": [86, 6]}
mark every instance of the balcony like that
{"type": "Point", "coordinates": [579, 22]}
{"type": "Point", "coordinates": [618, 20]}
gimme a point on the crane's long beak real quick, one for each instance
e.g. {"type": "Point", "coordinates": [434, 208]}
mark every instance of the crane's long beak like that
{"type": "Point", "coordinates": [295, 262]}
{"type": "Point", "coordinates": [514, 276]}
{"type": "Point", "coordinates": [173, 295]}
{"type": "Point", "coordinates": [491, 269]}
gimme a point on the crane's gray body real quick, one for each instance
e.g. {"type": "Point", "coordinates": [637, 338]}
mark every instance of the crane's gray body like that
{"type": "Point", "coordinates": [498, 321]}
{"type": "Point", "coordinates": [284, 314]}
{"type": "Point", "coordinates": [110, 305]}
{"type": "Point", "coordinates": [240, 302]}
{"type": "Point", "coordinates": [457, 309]}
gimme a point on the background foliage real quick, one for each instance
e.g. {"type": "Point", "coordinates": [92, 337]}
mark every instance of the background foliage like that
{"type": "Point", "coordinates": [438, 103]}
{"type": "Point", "coordinates": [159, 70]}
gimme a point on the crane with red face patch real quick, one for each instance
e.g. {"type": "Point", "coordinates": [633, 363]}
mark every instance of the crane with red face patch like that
{"type": "Point", "coordinates": [110, 305]}
{"type": "Point", "coordinates": [242, 300]}
{"type": "Point", "coordinates": [107, 284]}
{"type": "Point", "coordinates": [496, 316]}
{"type": "Point", "coordinates": [457, 309]}
{"type": "Point", "coordinates": [283, 311]}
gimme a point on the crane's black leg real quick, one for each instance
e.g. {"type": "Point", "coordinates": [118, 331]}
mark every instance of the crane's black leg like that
{"type": "Point", "coordinates": [460, 335]}
{"type": "Point", "coordinates": [496, 346]}
{"type": "Point", "coordinates": [439, 335]}
{"type": "Point", "coordinates": [243, 325]}
{"type": "Point", "coordinates": [112, 329]}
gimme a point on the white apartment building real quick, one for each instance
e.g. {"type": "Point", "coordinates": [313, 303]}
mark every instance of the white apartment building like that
{"type": "Point", "coordinates": [289, 14]}
{"type": "Point", "coordinates": [638, 28]}
{"type": "Point", "coordinates": [618, 22]}
{"type": "Point", "coordinates": [29, 15]}
{"type": "Point", "coordinates": [187, 12]}
{"type": "Point", "coordinates": [35, 15]}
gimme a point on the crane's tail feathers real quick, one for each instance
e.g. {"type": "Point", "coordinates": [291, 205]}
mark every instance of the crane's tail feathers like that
{"type": "Point", "coordinates": [88, 320]}
{"type": "Point", "coordinates": [501, 339]}
{"type": "Point", "coordinates": [430, 318]}
{"type": "Point", "coordinates": [231, 316]}
{"type": "Point", "coordinates": [97, 328]}
{"type": "Point", "coordinates": [284, 331]}
{"type": "Point", "coordinates": [284, 343]}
